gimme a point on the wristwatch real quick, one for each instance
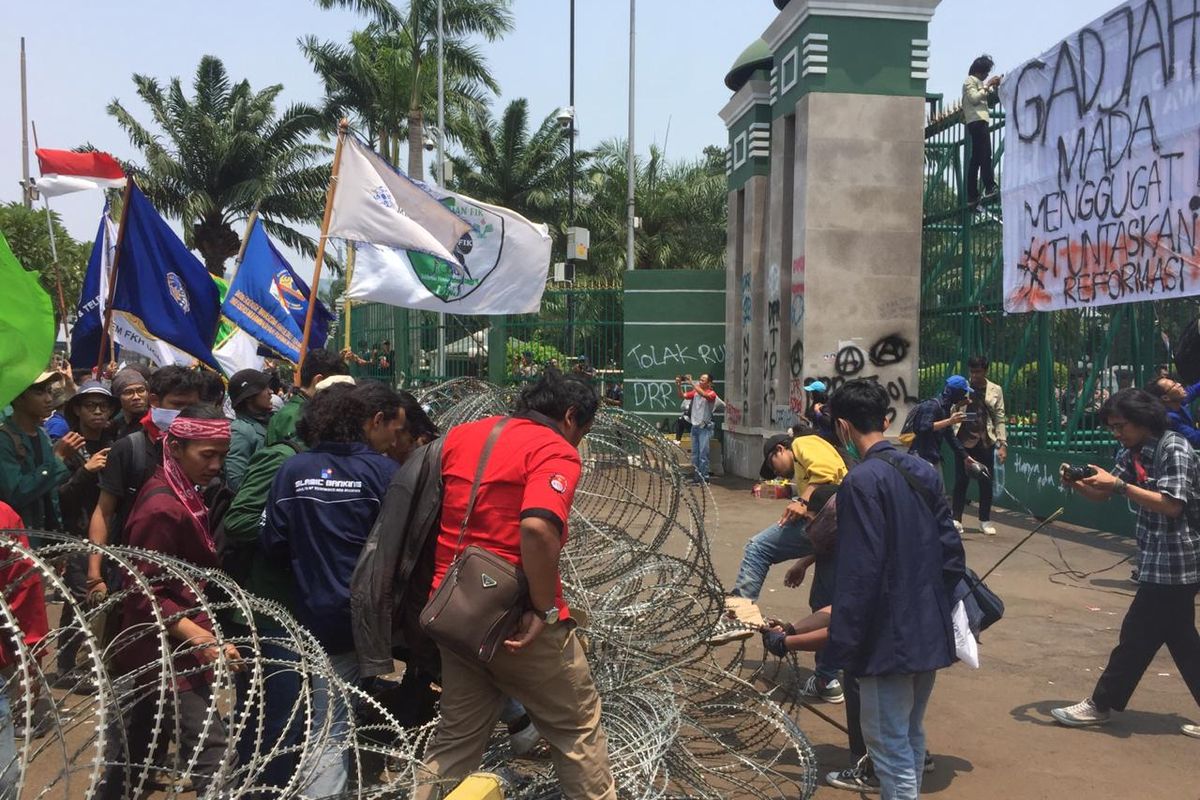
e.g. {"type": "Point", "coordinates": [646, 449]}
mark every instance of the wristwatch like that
{"type": "Point", "coordinates": [549, 617]}
{"type": "Point", "coordinates": [1120, 487]}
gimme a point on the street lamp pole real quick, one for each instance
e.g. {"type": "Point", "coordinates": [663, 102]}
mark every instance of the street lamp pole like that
{"type": "Point", "coordinates": [441, 168]}
{"type": "Point", "coordinates": [629, 164]}
{"type": "Point", "coordinates": [571, 189]}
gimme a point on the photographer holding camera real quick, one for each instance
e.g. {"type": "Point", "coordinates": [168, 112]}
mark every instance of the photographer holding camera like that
{"type": "Point", "coordinates": [1158, 472]}
{"type": "Point", "coordinates": [983, 437]}
{"type": "Point", "coordinates": [704, 402]}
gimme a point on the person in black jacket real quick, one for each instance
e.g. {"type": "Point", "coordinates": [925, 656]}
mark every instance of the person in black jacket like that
{"type": "Point", "coordinates": [899, 559]}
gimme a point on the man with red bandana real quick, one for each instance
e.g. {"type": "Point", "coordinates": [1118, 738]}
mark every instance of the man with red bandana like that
{"type": "Point", "coordinates": [169, 517]}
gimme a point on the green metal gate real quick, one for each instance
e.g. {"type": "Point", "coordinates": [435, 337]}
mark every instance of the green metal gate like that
{"type": "Point", "coordinates": [412, 348]}
{"type": "Point", "coordinates": [1055, 368]}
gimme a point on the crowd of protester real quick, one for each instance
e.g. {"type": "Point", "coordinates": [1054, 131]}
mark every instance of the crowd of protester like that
{"type": "Point", "coordinates": [283, 494]}
{"type": "Point", "coordinates": [318, 499]}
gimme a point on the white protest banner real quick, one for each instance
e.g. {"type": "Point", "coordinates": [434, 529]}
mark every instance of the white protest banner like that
{"type": "Point", "coordinates": [1101, 183]}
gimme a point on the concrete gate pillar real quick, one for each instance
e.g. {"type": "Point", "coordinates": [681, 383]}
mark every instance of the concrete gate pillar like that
{"type": "Point", "coordinates": [833, 289]}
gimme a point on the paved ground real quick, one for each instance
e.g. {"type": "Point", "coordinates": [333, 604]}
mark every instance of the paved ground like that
{"type": "Point", "coordinates": [990, 730]}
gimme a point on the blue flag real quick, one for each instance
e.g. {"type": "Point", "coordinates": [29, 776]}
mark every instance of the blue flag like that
{"type": "Point", "coordinates": [166, 304]}
{"type": "Point", "coordinates": [89, 312]}
{"type": "Point", "coordinates": [269, 301]}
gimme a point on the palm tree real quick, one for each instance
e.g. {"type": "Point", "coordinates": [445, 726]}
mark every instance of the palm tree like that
{"type": "Point", "coordinates": [682, 206]}
{"type": "Point", "coordinates": [223, 152]}
{"type": "Point", "coordinates": [391, 69]}
{"type": "Point", "coordinates": [505, 164]}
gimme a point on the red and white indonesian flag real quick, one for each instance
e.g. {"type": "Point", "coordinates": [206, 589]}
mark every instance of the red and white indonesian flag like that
{"type": "Point", "coordinates": [64, 171]}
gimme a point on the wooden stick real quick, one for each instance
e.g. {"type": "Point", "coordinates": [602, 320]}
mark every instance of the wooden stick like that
{"type": "Point", "coordinates": [350, 251]}
{"type": "Point", "coordinates": [105, 339]}
{"type": "Point", "coordinates": [343, 126]}
{"type": "Point", "coordinates": [245, 238]}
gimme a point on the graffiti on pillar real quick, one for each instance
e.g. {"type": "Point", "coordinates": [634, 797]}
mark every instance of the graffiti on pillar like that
{"type": "Point", "coordinates": [771, 342]}
{"type": "Point", "coordinates": [885, 355]}
{"type": "Point", "coordinates": [747, 318]}
{"type": "Point", "coordinates": [796, 398]}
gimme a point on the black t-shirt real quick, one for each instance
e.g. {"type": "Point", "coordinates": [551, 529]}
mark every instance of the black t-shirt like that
{"type": "Point", "coordinates": [78, 496]}
{"type": "Point", "coordinates": [126, 472]}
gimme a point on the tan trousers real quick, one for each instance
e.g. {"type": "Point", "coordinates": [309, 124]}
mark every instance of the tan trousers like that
{"type": "Point", "coordinates": [552, 680]}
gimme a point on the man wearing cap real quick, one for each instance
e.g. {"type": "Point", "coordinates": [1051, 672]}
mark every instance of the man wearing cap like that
{"type": "Point", "coordinates": [934, 420]}
{"type": "Point", "coordinates": [250, 395]}
{"type": "Point", "coordinates": [809, 461]}
{"type": "Point", "coordinates": [31, 467]}
{"type": "Point", "coordinates": [814, 409]}
{"type": "Point", "coordinates": [129, 387]}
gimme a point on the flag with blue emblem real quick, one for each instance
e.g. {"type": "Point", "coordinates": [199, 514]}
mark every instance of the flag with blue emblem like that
{"type": "Point", "coordinates": [269, 301]}
{"type": "Point", "coordinates": [165, 305]}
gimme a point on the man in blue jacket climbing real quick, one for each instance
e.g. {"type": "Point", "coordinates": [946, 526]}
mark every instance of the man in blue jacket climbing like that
{"type": "Point", "coordinates": [899, 558]}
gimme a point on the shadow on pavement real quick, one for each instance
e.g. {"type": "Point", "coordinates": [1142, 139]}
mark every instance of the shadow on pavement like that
{"type": "Point", "coordinates": [946, 769]}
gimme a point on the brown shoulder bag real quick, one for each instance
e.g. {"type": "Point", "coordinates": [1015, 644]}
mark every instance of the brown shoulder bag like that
{"type": "Point", "coordinates": [480, 601]}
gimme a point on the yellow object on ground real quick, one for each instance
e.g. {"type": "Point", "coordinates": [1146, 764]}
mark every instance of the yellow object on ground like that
{"type": "Point", "coordinates": [480, 786]}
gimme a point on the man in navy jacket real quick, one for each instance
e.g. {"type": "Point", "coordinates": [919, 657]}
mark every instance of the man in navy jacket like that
{"type": "Point", "coordinates": [898, 560]}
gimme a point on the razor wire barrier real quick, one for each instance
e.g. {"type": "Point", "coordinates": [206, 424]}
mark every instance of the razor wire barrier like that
{"type": "Point", "coordinates": [683, 719]}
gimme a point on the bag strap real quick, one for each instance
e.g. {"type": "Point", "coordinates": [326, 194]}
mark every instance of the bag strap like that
{"type": "Point", "coordinates": [911, 480]}
{"type": "Point", "coordinates": [17, 439]}
{"type": "Point", "coordinates": [483, 459]}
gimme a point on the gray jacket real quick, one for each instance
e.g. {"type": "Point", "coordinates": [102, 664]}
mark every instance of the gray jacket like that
{"type": "Point", "coordinates": [394, 574]}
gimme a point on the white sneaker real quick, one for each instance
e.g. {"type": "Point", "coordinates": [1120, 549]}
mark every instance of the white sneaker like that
{"type": "Point", "coordinates": [523, 741]}
{"type": "Point", "coordinates": [958, 527]}
{"type": "Point", "coordinates": [1191, 730]}
{"type": "Point", "coordinates": [988, 528]}
{"type": "Point", "coordinates": [1080, 715]}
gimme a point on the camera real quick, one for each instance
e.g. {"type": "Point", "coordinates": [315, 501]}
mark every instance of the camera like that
{"type": "Point", "coordinates": [1072, 474]}
{"type": "Point", "coordinates": [565, 117]}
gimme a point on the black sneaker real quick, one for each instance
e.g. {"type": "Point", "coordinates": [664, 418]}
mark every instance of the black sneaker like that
{"type": "Point", "coordinates": [858, 778]}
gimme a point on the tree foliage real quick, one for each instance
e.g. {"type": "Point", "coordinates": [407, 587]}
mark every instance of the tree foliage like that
{"type": "Point", "coordinates": [209, 160]}
{"type": "Point", "coordinates": [386, 76]}
{"type": "Point", "coordinates": [29, 238]}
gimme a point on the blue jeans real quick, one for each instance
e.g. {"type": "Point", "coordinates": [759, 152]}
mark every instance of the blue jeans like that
{"type": "Point", "coordinates": [775, 545]}
{"type": "Point", "coordinates": [331, 772]}
{"type": "Point", "coordinates": [893, 723]}
{"type": "Point", "coordinates": [701, 437]}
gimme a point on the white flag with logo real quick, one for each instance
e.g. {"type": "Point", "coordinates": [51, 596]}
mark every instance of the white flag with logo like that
{"type": "Point", "coordinates": [375, 203]}
{"type": "Point", "coordinates": [239, 351]}
{"type": "Point", "coordinates": [499, 266]}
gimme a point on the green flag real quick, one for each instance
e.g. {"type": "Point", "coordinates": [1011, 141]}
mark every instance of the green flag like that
{"type": "Point", "coordinates": [26, 326]}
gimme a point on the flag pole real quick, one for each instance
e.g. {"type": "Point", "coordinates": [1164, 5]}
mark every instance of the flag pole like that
{"type": "Point", "coordinates": [241, 254]}
{"type": "Point", "coordinates": [343, 125]}
{"type": "Point", "coordinates": [62, 302]}
{"type": "Point", "coordinates": [350, 251]}
{"type": "Point", "coordinates": [105, 338]}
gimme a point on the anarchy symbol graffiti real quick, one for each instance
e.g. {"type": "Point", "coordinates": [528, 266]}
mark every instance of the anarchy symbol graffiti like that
{"type": "Point", "coordinates": [849, 360]}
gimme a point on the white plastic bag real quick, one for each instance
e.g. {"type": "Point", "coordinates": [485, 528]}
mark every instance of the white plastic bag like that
{"type": "Point", "coordinates": [965, 646]}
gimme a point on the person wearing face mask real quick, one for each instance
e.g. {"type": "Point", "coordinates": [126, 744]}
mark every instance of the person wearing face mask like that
{"type": "Point", "coordinates": [933, 422]}
{"type": "Point", "coordinates": [322, 505]}
{"type": "Point", "coordinates": [899, 558]}
{"type": "Point", "coordinates": [133, 459]}
{"type": "Point", "coordinates": [169, 516]}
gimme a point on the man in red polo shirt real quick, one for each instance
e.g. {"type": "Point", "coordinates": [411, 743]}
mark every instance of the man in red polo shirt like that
{"type": "Point", "coordinates": [521, 511]}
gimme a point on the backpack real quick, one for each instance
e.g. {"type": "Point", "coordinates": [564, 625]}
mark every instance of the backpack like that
{"type": "Point", "coordinates": [908, 432]}
{"type": "Point", "coordinates": [236, 555]}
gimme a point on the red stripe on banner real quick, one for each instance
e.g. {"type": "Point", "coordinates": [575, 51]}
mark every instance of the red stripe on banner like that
{"type": "Point", "coordinates": [91, 165]}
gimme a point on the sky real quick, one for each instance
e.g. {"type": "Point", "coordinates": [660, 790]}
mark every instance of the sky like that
{"type": "Point", "coordinates": [78, 60]}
